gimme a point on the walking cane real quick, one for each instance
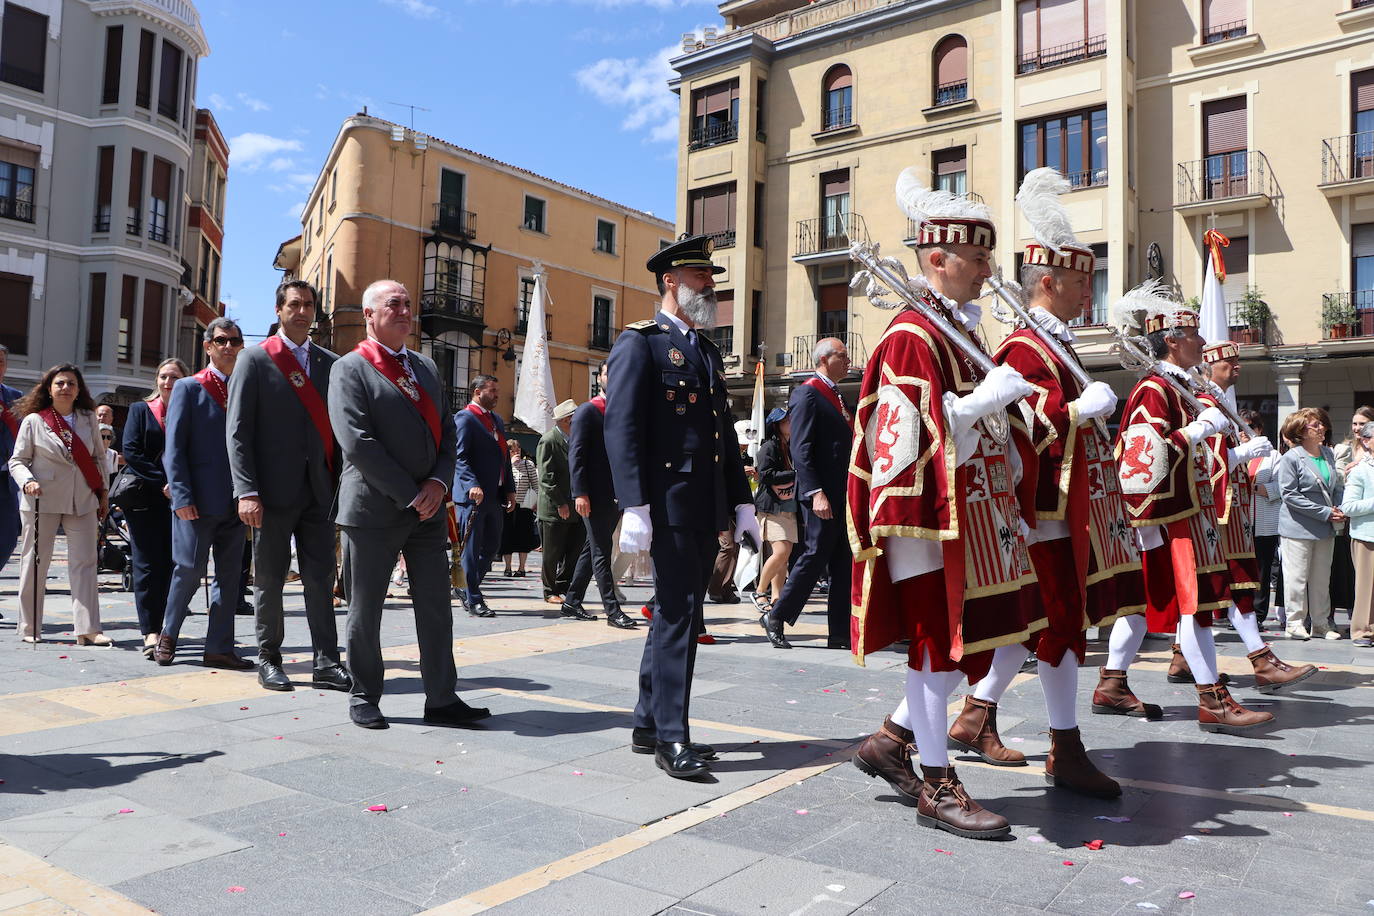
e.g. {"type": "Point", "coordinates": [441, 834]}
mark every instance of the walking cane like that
{"type": "Point", "coordinates": [37, 613]}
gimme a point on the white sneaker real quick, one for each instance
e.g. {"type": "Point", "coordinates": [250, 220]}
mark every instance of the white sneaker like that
{"type": "Point", "coordinates": [1332, 634]}
{"type": "Point", "coordinates": [1298, 631]}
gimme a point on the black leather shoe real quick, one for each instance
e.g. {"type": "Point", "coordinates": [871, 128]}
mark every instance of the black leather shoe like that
{"type": "Point", "coordinates": [245, 608]}
{"type": "Point", "coordinates": [229, 661]}
{"type": "Point", "coordinates": [575, 612]}
{"type": "Point", "coordinates": [366, 715]}
{"type": "Point", "coordinates": [620, 619]}
{"type": "Point", "coordinates": [480, 609]}
{"type": "Point", "coordinates": [728, 598]}
{"type": "Point", "coordinates": [835, 644]}
{"type": "Point", "coordinates": [773, 630]}
{"type": "Point", "coordinates": [455, 713]}
{"type": "Point", "coordinates": [645, 741]}
{"type": "Point", "coordinates": [679, 761]}
{"type": "Point", "coordinates": [272, 677]}
{"type": "Point", "coordinates": [333, 677]}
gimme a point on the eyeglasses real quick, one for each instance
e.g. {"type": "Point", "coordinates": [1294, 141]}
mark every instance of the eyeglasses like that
{"type": "Point", "coordinates": [108, 438]}
{"type": "Point", "coordinates": [227, 341]}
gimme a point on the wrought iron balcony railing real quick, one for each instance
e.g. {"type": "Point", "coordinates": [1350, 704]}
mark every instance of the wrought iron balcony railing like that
{"type": "Point", "coordinates": [837, 117]}
{"type": "Point", "coordinates": [453, 304]}
{"type": "Point", "coordinates": [1225, 175]}
{"type": "Point", "coordinates": [1058, 56]}
{"type": "Point", "coordinates": [1348, 314]}
{"type": "Point", "coordinates": [452, 220]}
{"type": "Point", "coordinates": [713, 134]}
{"type": "Point", "coordinates": [13, 208]}
{"type": "Point", "coordinates": [1224, 31]}
{"type": "Point", "coordinates": [803, 345]}
{"type": "Point", "coordinates": [725, 238]}
{"type": "Point", "coordinates": [724, 339]}
{"type": "Point", "coordinates": [951, 93]}
{"type": "Point", "coordinates": [600, 336]}
{"type": "Point", "coordinates": [829, 233]}
{"type": "Point", "coordinates": [1348, 158]}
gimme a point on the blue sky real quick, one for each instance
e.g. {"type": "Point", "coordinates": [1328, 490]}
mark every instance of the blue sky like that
{"type": "Point", "coordinates": [572, 89]}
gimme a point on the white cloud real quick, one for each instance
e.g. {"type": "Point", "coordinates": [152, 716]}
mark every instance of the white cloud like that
{"type": "Point", "coordinates": [250, 150]}
{"type": "Point", "coordinates": [295, 210]}
{"type": "Point", "coordinates": [220, 103]}
{"type": "Point", "coordinates": [414, 8]}
{"type": "Point", "coordinates": [614, 4]}
{"type": "Point", "coordinates": [639, 84]}
{"type": "Point", "coordinates": [282, 164]}
{"type": "Point", "coordinates": [295, 183]}
{"type": "Point", "coordinates": [253, 104]}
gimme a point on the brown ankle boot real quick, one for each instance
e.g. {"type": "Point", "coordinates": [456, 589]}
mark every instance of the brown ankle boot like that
{"type": "Point", "coordinates": [976, 730]}
{"type": "Point", "coordinates": [165, 650]}
{"type": "Point", "coordinates": [945, 805]}
{"type": "Point", "coordinates": [1180, 673]}
{"type": "Point", "coordinates": [1068, 766]}
{"type": "Point", "coordinates": [1217, 712]}
{"type": "Point", "coordinates": [887, 754]}
{"type": "Point", "coordinates": [1113, 697]}
{"type": "Point", "coordinates": [1272, 674]}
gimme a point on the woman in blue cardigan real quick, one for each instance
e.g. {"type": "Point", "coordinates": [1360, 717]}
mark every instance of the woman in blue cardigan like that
{"type": "Point", "coordinates": [1358, 505]}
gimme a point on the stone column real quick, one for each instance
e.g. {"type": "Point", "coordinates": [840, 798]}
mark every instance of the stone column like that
{"type": "Point", "coordinates": [1288, 375]}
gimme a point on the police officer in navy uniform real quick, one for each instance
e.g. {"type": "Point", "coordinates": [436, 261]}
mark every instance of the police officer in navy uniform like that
{"type": "Point", "coordinates": [680, 479]}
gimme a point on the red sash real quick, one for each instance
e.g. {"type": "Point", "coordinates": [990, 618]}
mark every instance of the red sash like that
{"type": "Point", "coordinates": [490, 425]}
{"type": "Point", "coordinates": [76, 449]}
{"type": "Point", "coordinates": [390, 367]}
{"type": "Point", "coordinates": [308, 393]}
{"type": "Point", "coordinates": [159, 409]}
{"type": "Point", "coordinates": [600, 402]}
{"type": "Point", "coordinates": [215, 385]}
{"type": "Point", "coordinates": [830, 396]}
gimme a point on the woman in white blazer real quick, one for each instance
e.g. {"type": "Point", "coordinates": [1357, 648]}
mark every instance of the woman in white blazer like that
{"type": "Point", "coordinates": [57, 488]}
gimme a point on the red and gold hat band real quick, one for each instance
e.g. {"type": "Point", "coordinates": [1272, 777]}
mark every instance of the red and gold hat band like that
{"type": "Point", "coordinates": [1180, 318]}
{"type": "Point", "coordinates": [953, 231]}
{"type": "Point", "coordinates": [1068, 257]}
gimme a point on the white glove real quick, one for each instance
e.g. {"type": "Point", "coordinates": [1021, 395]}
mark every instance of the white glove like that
{"type": "Point", "coordinates": [746, 521]}
{"type": "Point", "coordinates": [636, 531]}
{"type": "Point", "coordinates": [1097, 400]}
{"type": "Point", "coordinates": [1208, 423]}
{"type": "Point", "coordinates": [1027, 532]}
{"type": "Point", "coordinates": [1002, 386]}
{"type": "Point", "coordinates": [1258, 447]}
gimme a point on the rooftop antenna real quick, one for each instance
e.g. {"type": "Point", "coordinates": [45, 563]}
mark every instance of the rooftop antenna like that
{"type": "Point", "coordinates": [413, 109]}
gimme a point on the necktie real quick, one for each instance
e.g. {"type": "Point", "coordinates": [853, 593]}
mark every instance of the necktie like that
{"type": "Point", "coordinates": [404, 359]}
{"type": "Point", "coordinates": [692, 336]}
{"type": "Point", "coordinates": [303, 357]}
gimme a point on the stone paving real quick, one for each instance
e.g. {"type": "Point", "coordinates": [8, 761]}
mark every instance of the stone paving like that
{"type": "Point", "coordinates": [183, 790]}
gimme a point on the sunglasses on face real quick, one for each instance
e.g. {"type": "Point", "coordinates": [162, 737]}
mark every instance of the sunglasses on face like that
{"type": "Point", "coordinates": [227, 341]}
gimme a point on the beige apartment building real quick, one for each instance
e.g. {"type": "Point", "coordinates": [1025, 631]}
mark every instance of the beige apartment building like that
{"type": "Point", "coordinates": [463, 231]}
{"type": "Point", "coordinates": [1253, 117]}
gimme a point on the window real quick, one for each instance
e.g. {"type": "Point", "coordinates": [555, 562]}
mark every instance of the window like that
{"type": "Point", "coordinates": [605, 236]}
{"type": "Point", "coordinates": [833, 304]}
{"type": "Point", "coordinates": [328, 282]}
{"type": "Point", "coordinates": [1236, 257]}
{"type": "Point", "coordinates": [127, 303]}
{"type": "Point", "coordinates": [150, 338]}
{"type": "Point", "coordinates": [1056, 32]}
{"type": "Point", "coordinates": [1362, 124]}
{"type": "Point", "coordinates": [758, 214]}
{"type": "Point", "coordinates": [602, 308]}
{"type": "Point", "coordinates": [522, 312]}
{"type": "Point", "coordinates": [450, 216]}
{"type": "Point", "coordinates": [23, 47]}
{"type": "Point", "coordinates": [214, 277]}
{"type": "Point", "coordinates": [950, 167]}
{"type": "Point", "coordinates": [723, 334]}
{"type": "Point", "coordinates": [333, 188]}
{"type": "Point", "coordinates": [1226, 166]}
{"type": "Point", "coordinates": [711, 211]}
{"type": "Point", "coordinates": [160, 201]}
{"type": "Point", "coordinates": [95, 320]}
{"type": "Point", "coordinates": [137, 159]}
{"type": "Point", "coordinates": [534, 213]}
{"type": "Point", "coordinates": [15, 300]}
{"type": "Point", "coordinates": [951, 70]}
{"type": "Point", "coordinates": [760, 110]}
{"type": "Point", "coordinates": [319, 227]}
{"type": "Point", "coordinates": [114, 57]}
{"type": "Point", "coordinates": [1101, 302]}
{"type": "Point", "coordinates": [203, 287]}
{"type": "Point", "coordinates": [1223, 19]}
{"type": "Point", "coordinates": [755, 323]}
{"type": "Point", "coordinates": [16, 183]}
{"type": "Point", "coordinates": [104, 188]}
{"type": "Point", "coordinates": [1075, 144]}
{"type": "Point", "coordinates": [715, 115]}
{"type": "Point", "coordinates": [835, 210]}
{"type": "Point", "coordinates": [143, 96]}
{"type": "Point", "coordinates": [1362, 265]}
{"type": "Point", "coordinates": [837, 98]}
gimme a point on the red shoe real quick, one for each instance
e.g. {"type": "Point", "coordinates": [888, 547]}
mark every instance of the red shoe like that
{"type": "Point", "coordinates": [648, 614]}
{"type": "Point", "coordinates": [706, 639]}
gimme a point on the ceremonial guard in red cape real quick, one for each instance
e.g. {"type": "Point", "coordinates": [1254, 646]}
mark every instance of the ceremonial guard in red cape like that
{"type": "Point", "coordinates": [1235, 499]}
{"type": "Point", "coordinates": [1171, 478]}
{"type": "Point", "coordinates": [935, 523]}
{"type": "Point", "coordinates": [1084, 553]}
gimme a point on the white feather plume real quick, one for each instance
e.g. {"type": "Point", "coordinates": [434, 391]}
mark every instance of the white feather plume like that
{"type": "Point", "coordinates": [1153, 297]}
{"type": "Point", "coordinates": [921, 203]}
{"type": "Point", "coordinates": [1039, 201]}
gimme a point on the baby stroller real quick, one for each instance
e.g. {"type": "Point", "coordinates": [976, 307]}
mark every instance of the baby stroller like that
{"type": "Point", "coordinates": [113, 549]}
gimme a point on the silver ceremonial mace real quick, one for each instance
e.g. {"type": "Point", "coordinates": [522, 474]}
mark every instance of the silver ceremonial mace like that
{"type": "Point", "coordinates": [1133, 356]}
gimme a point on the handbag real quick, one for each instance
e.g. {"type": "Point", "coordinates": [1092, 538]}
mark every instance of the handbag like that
{"type": "Point", "coordinates": [530, 500]}
{"type": "Point", "coordinates": [133, 493]}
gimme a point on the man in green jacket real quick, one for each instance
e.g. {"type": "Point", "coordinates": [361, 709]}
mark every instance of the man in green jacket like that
{"type": "Point", "coordinates": [561, 527]}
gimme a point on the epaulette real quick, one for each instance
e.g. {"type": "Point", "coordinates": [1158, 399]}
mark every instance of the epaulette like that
{"type": "Point", "coordinates": [644, 325]}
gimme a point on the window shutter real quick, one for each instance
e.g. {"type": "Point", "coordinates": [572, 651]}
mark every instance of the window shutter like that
{"type": "Point", "coordinates": [839, 78]}
{"type": "Point", "coordinates": [162, 179]}
{"type": "Point", "coordinates": [725, 308]}
{"type": "Point", "coordinates": [1362, 90]}
{"type": "Point", "coordinates": [951, 161]}
{"type": "Point", "coordinates": [1362, 241]}
{"type": "Point", "coordinates": [1030, 30]}
{"type": "Point", "coordinates": [835, 183]}
{"type": "Point", "coordinates": [105, 176]}
{"type": "Point", "coordinates": [951, 61]}
{"type": "Point", "coordinates": [1221, 12]}
{"type": "Point", "coordinates": [1237, 259]}
{"type": "Point", "coordinates": [1061, 23]}
{"type": "Point", "coordinates": [451, 188]}
{"type": "Point", "coordinates": [1225, 122]}
{"type": "Point", "coordinates": [1097, 18]}
{"type": "Point", "coordinates": [834, 297]}
{"type": "Point", "coordinates": [136, 179]}
{"type": "Point", "coordinates": [150, 340]}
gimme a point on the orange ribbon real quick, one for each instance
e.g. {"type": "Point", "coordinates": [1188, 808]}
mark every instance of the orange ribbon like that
{"type": "Point", "coordinates": [1215, 241]}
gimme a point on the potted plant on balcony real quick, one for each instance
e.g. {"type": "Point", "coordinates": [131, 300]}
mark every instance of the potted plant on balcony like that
{"type": "Point", "coordinates": [1254, 314]}
{"type": "Point", "coordinates": [1338, 316]}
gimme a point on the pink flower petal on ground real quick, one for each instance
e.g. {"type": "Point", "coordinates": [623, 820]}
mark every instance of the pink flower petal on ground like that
{"type": "Point", "coordinates": [235, 889]}
{"type": "Point", "coordinates": [61, 656]}
{"type": "Point", "coordinates": [1288, 814]}
{"type": "Point", "coordinates": [126, 810]}
{"type": "Point", "coordinates": [802, 811]}
{"type": "Point", "coordinates": [464, 789]}
{"type": "Point", "coordinates": [276, 738]}
{"type": "Point", "coordinates": [792, 701]}
{"type": "Point", "coordinates": [1129, 880]}
{"type": "Point", "coordinates": [1036, 838]}
{"type": "Point", "coordinates": [243, 707]}
{"type": "Point", "coordinates": [577, 772]}
{"type": "Point", "coordinates": [826, 690]}
{"type": "Point", "coordinates": [376, 807]}
{"type": "Point", "coordinates": [1067, 862]}
{"type": "Point", "coordinates": [1094, 845]}
{"type": "Point", "coordinates": [281, 834]}
{"type": "Point", "coordinates": [1186, 895]}
{"type": "Point", "coordinates": [944, 852]}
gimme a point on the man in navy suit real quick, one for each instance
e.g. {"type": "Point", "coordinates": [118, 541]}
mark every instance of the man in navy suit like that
{"type": "Point", "coordinates": [196, 459]}
{"type": "Point", "coordinates": [678, 474]}
{"type": "Point", "coordinates": [483, 487]}
{"type": "Point", "coordinates": [821, 436]}
{"type": "Point", "coordinates": [593, 493]}
{"type": "Point", "coordinates": [9, 493]}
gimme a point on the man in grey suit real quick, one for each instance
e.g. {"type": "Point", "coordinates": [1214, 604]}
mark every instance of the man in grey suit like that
{"type": "Point", "coordinates": [398, 455]}
{"type": "Point", "coordinates": [284, 460]}
{"type": "Point", "coordinates": [561, 529]}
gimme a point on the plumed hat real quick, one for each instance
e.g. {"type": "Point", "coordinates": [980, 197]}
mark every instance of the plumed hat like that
{"type": "Point", "coordinates": [941, 217]}
{"type": "Point", "coordinates": [1055, 244]}
{"type": "Point", "coordinates": [1220, 352]}
{"type": "Point", "coordinates": [1151, 307]}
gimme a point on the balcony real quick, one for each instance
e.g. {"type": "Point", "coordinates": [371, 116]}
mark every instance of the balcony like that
{"type": "Point", "coordinates": [951, 93]}
{"type": "Point", "coordinates": [1348, 163]}
{"type": "Point", "coordinates": [713, 134]}
{"type": "Point", "coordinates": [828, 238]}
{"type": "Point", "coordinates": [1224, 31]}
{"type": "Point", "coordinates": [600, 336]}
{"type": "Point", "coordinates": [1348, 315]}
{"type": "Point", "coordinates": [1225, 183]}
{"type": "Point", "coordinates": [454, 222]}
{"type": "Point", "coordinates": [725, 238]}
{"type": "Point", "coordinates": [1061, 55]}
{"type": "Point", "coordinates": [21, 76]}
{"type": "Point", "coordinates": [837, 118]}
{"type": "Point", "coordinates": [134, 225]}
{"type": "Point", "coordinates": [13, 208]}
{"type": "Point", "coordinates": [723, 338]}
{"type": "Point", "coordinates": [448, 309]}
{"type": "Point", "coordinates": [912, 228]}
{"type": "Point", "coordinates": [803, 345]}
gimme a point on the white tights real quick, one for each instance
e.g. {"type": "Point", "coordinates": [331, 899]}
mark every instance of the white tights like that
{"type": "Point", "coordinates": [1198, 648]}
{"type": "Point", "coordinates": [1248, 629]}
{"type": "Point", "coordinates": [1059, 683]}
{"type": "Point", "coordinates": [1127, 634]}
{"type": "Point", "coordinates": [925, 710]}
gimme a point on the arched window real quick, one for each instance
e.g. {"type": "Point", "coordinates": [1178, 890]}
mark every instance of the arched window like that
{"type": "Point", "coordinates": [837, 98]}
{"type": "Point", "coordinates": [951, 70]}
